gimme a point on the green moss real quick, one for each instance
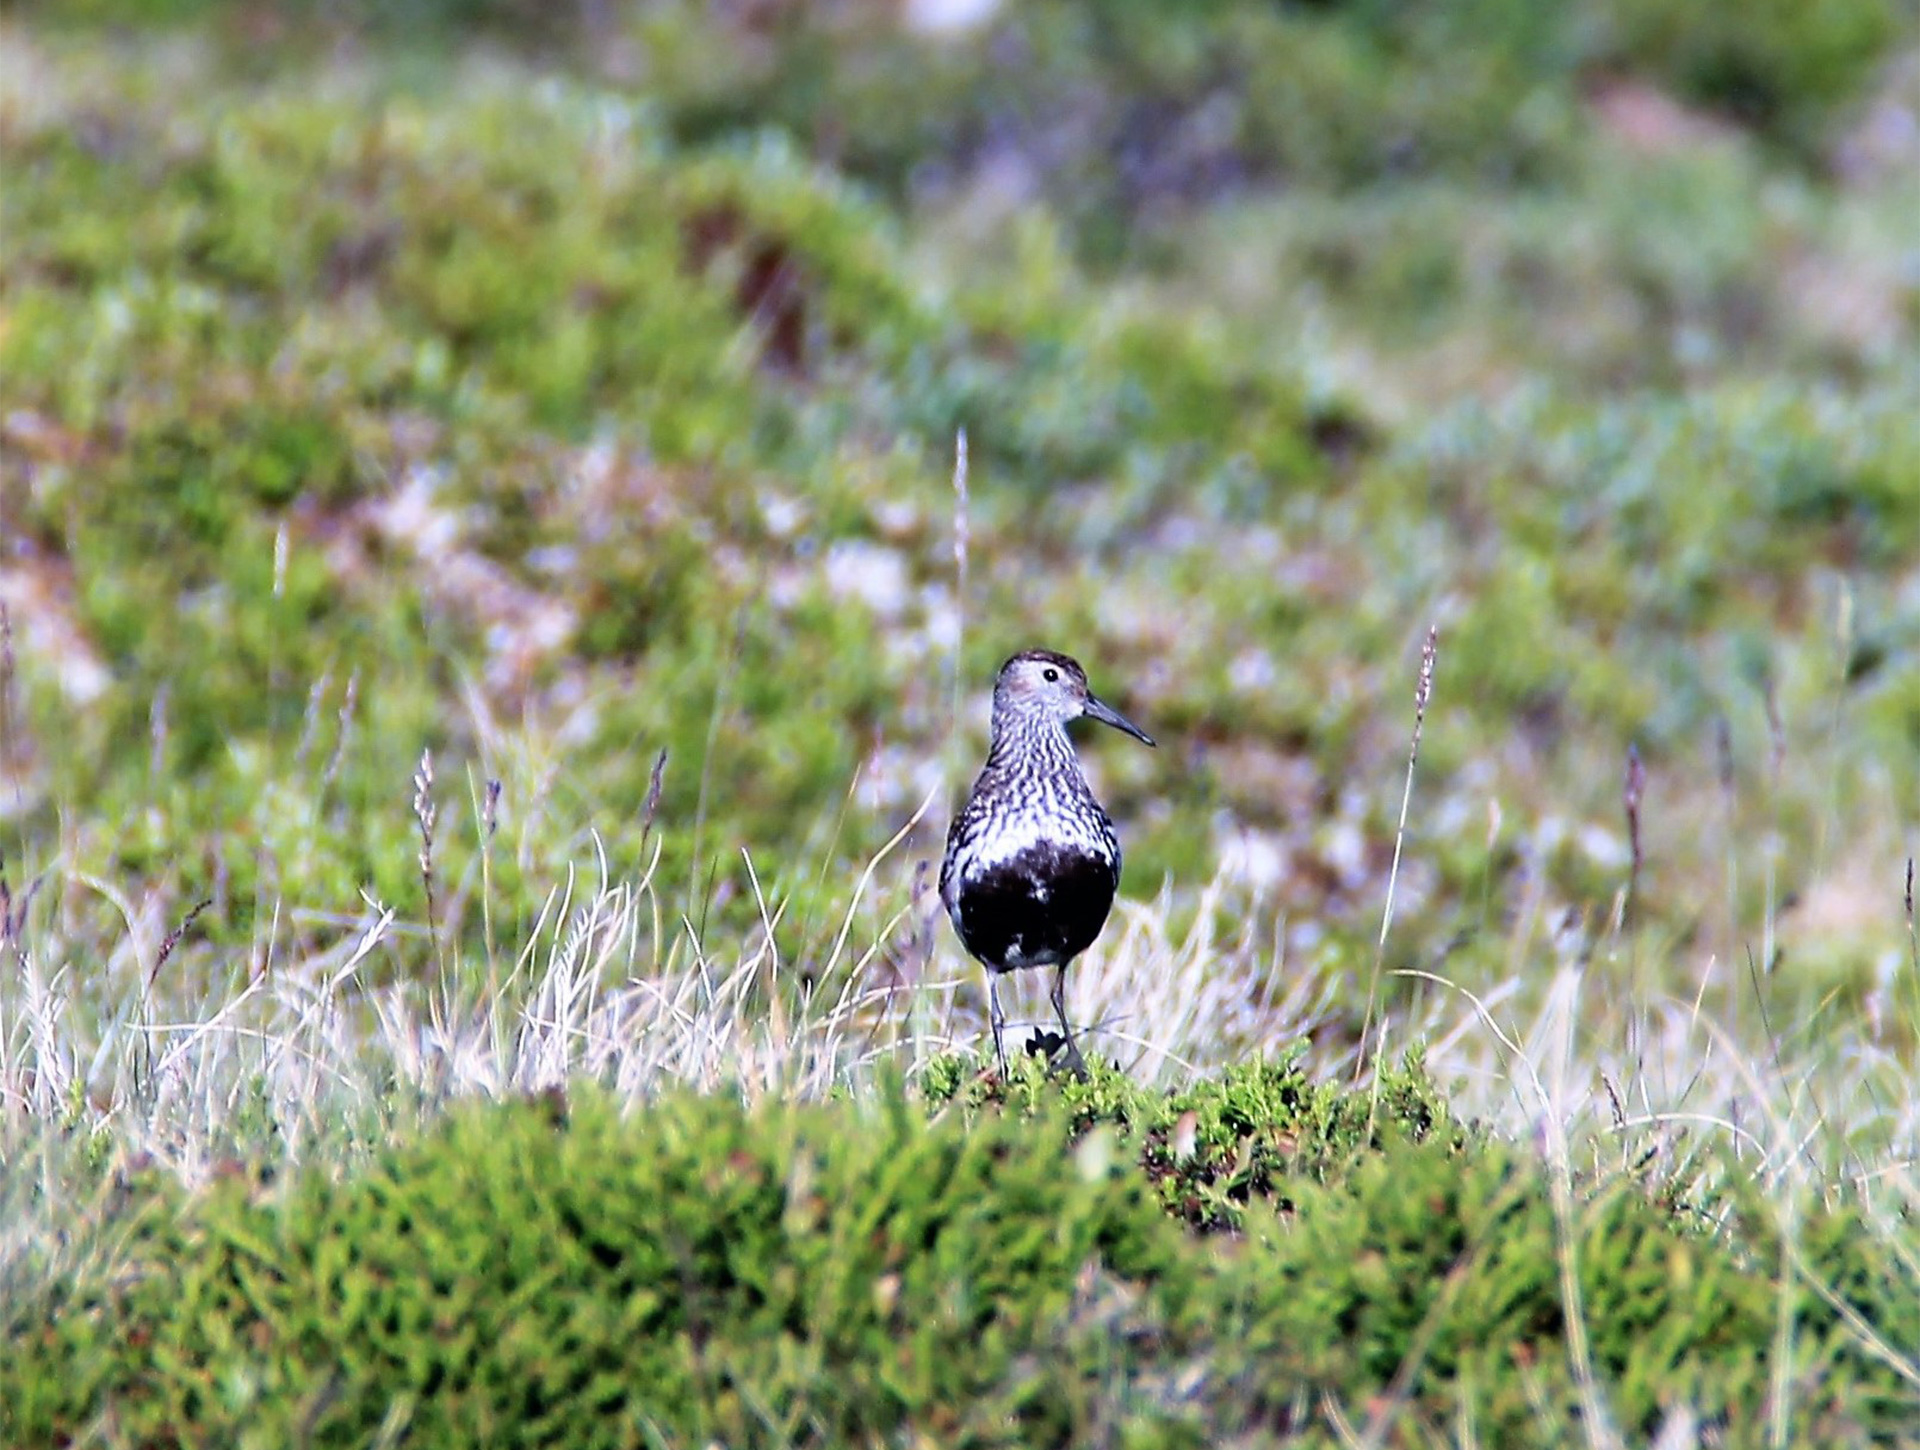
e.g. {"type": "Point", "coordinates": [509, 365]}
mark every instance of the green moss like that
{"type": "Point", "coordinates": [1778, 65]}
{"type": "Point", "coordinates": [558, 1270]}
{"type": "Point", "coordinates": [694, 1272]}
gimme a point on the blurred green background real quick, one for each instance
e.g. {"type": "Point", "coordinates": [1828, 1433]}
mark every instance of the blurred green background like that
{"type": "Point", "coordinates": [550, 386]}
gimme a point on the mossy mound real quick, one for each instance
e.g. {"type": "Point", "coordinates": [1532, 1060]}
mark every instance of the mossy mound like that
{"type": "Point", "coordinates": [411, 414]}
{"type": "Point", "coordinates": [557, 1271]}
{"type": "Point", "coordinates": [1126, 112]}
{"type": "Point", "coordinates": [359, 410]}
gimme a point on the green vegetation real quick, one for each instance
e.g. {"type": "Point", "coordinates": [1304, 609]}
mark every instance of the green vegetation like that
{"type": "Point", "coordinates": [553, 1272]}
{"type": "Point", "coordinates": [478, 512]}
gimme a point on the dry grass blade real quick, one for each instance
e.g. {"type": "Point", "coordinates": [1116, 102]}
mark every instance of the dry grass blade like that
{"type": "Point", "coordinates": [1422, 696]}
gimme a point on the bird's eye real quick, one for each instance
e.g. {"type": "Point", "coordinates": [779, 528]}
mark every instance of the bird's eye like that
{"type": "Point", "coordinates": [1050, 675]}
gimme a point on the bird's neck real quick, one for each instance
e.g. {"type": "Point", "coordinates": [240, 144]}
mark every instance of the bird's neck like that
{"type": "Point", "coordinates": [1033, 747]}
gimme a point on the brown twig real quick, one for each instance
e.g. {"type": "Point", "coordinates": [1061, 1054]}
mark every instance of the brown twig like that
{"type": "Point", "coordinates": [1632, 791]}
{"type": "Point", "coordinates": [1913, 938]}
{"type": "Point", "coordinates": [652, 806]}
{"type": "Point", "coordinates": [425, 813]}
{"type": "Point", "coordinates": [173, 938]}
{"type": "Point", "coordinates": [490, 808]}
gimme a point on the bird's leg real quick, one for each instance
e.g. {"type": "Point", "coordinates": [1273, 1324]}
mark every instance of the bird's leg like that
{"type": "Point", "coordinates": [997, 1018]}
{"type": "Point", "coordinates": [1074, 1061]}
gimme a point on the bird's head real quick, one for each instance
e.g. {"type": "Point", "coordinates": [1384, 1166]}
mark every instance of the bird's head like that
{"type": "Point", "coordinates": [1039, 684]}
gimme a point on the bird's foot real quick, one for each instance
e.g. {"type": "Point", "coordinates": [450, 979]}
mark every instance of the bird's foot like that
{"type": "Point", "coordinates": [1061, 1052]}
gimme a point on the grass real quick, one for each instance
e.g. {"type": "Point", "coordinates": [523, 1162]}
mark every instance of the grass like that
{"type": "Point", "coordinates": [485, 664]}
{"type": "Point", "coordinates": [1002, 1274]}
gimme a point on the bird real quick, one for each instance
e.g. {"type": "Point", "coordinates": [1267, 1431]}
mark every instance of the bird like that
{"type": "Point", "coordinates": [1032, 860]}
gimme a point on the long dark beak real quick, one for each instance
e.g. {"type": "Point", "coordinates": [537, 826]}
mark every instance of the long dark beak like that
{"type": "Point", "coordinates": [1097, 709]}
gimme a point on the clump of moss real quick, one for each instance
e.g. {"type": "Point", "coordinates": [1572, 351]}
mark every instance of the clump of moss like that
{"type": "Point", "coordinates": [1246, 1136]}
{"type": "Point", "coordinates": [1005, 1269]}
{"type": "Point", "coordinates": [562, 1272]}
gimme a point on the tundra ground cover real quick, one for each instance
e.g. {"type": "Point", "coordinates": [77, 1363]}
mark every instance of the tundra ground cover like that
{"type": "Point", "coordinates": [497, 404]}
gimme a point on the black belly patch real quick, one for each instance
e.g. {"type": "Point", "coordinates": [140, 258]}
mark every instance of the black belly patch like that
{"type": "Point", "coordinates": [1039, 908]}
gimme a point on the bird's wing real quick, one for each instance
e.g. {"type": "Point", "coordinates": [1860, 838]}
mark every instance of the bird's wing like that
{"type": "Point", "coordinates": [956, 833]}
